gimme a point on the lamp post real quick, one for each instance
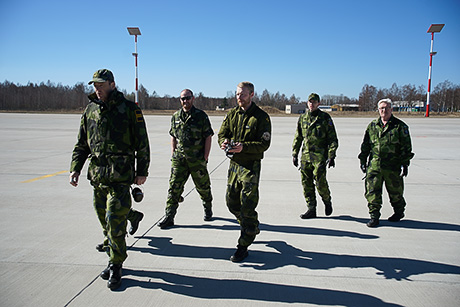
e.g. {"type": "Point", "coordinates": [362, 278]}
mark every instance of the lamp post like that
{"type": "Point", "coordinates": [434, 28]}
{"type": "Point", "coordinates": [135, 32]}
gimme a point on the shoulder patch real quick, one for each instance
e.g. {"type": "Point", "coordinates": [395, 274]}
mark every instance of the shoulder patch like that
{"type": "Point", "coordinates": [139, 117]}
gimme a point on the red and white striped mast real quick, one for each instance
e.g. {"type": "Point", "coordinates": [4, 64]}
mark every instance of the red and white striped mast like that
{"type": "Point", "coordinates": [135, 31]}
{"type": "Point", "coordinates": [433, 29]}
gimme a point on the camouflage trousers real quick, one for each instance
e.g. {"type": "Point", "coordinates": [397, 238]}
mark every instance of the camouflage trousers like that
{"type": "Point", "coordinates": [242, 198]}
{"type": "Point", "coordinates": [181, 169]}
{"type": "Point", "coordinates": [113, 209]}
{"type": "Point", "coordinates": [312, 174]}
{"type": "Point", "coordinates": [374, 187]}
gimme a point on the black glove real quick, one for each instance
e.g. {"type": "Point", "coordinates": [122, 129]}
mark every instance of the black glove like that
{"type": "Point", "coordinates": [331, 163]}
{"type": "Point", "coordinates": [405, 170]}
{"type": "Point", "coordinates": [295, 161]}
{"type": "Point", "coordinates": [363, 168]}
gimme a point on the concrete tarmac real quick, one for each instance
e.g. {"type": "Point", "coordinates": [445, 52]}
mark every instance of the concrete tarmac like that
{"type": "Point", "coordinates": [49, 229]}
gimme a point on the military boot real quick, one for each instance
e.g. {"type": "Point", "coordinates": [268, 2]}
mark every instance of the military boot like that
{"type": "Point", "coordinates": [115, 276]}
{"type": "Point", "coordinates": [207, 215]}
{"type": "Point", "coordinates": [167, 222]}
{"type": "Point", "coordinates": [396, 217]}
{"type": "Point", "coordinates": [105, 274]}
{"type": "Point", "coordinates": [240, 254]}
{"type": "Point", "coordinates": [374, 222]}
{"type": "Point", "coordinates": [328, 208]}
{"type": "Point", "coordinates": [311, 213]}
{"type": "Point", "coordinates": [135, 223]}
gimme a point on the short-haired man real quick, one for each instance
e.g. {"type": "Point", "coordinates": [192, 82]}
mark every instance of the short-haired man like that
{"type": "Point", "coordinates": [385, 155]}
{"type": "Point", "coordinates": [245, 135]}
{"type": "Point", "coordinates": [316, 135]}
{"type": "Point", "coordinates": [114, 137]}
{"type": "Point", "coordinates": [191, 134]}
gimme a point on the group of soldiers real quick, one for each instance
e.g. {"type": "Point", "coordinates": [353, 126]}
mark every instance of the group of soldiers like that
{"type": "Point", "coordinates": [113, 136]}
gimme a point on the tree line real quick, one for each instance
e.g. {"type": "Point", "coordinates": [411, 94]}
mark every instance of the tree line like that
{"type": "Point", "coordinates": [445, 97]}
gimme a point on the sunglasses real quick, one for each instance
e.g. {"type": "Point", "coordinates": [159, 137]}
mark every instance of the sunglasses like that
{"type": "Point", "coordinates": [186, 98]}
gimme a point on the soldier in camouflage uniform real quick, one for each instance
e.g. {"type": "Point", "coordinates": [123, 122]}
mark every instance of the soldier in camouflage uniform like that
{"type": "Point", "coordinates": [113, 136]}
{"type": "Point", "coordinates": [245, 134]}
{"type": "Point", "coordinates": [316, 135]}
{"type": "Point", "coordinates": [385, 155]}
{"type": "Point", "coordinates": [191, 134]}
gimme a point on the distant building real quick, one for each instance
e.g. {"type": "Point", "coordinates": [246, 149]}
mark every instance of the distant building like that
{"type": "Point", "coordinates": [405, 106]}
{"type": "Point", "coordinates": [345, 107]}
{"type": "Point", "coordinates": [298, 108]}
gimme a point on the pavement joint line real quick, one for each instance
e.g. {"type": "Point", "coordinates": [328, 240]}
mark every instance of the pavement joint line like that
{"type": "Point", "coordinates": [43, 177]}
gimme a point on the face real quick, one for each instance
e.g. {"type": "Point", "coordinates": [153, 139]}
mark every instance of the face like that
{"type": "Point", "coordinates": [103, 89]}
{"type": "Point", "coordinates": [186, 100]}
{"type": "Point", "coordinates": [243, 97]}
{"type": "Point", "coordinates": [313, 105]}
{"type": "Point", "coordinates": [385, 111]}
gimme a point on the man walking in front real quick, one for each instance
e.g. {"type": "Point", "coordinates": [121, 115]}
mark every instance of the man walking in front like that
{"type": "Point", "coordinates": [385, 155]}
{"type": "Point", "coordinates": [245, 135]}
{"type": "Point", "coordinates": [316, 135]}
{"type": "Point", "coordinates": [113, 136]}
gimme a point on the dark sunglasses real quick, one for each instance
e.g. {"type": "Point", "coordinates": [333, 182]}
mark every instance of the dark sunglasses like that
{"type": "Point", "coordinates": [186, 98]}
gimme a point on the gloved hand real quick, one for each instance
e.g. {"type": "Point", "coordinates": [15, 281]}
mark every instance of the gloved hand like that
{"type": "Point", "coordinates": [404, 171]}
{"type": "Point", "coordinates": [363, 168]}
{"type": "Point", "coordinates": [295, 161]}
{"type": "Point", "coordinates": [331, 163]}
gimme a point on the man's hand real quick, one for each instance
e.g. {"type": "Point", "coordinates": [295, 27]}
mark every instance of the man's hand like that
{"type": "Point", "coordinates": [140, 180]}
{"type": "Point", "coordinates": [331, 163]}
{"type": "Point", "coordinates": [363, 168]}
{"type": "Point", "coordinates": [295, 161]}
{"type": "Point", "coordinates": [405, 171]}
{"type": "Point", "coordinates": [74, 178]}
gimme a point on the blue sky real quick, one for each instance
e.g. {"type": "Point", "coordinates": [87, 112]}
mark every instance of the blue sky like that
{"type": "Point", "coordinates": [289, 46]}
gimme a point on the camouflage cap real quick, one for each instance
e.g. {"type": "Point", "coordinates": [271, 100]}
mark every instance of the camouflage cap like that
{"type": "Point", "coordinates": [313, 96]}
{"type": "Point", "coordinates": [102, 75]}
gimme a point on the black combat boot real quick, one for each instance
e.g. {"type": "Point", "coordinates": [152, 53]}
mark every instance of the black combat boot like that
{"type": "Point", "coordinates": [310, 214]}
{"type": "Point", "coordinates": [105, 274]}
{"type": "Point", "coordinates": [135, 223]}
{"type": "Point", "coordinates": [396, 217]}
{"type": "Point", "coordinates": [115, 276]}
{"type": "Point", "coordinates": [207, 215]}
{"type": "Point", "coordinates": [167, 222]}
{"type": "Point", "coordinates": [328, 208]}
{"type": "Point", "coordinates": [374, 222]}
{"type": "Point", "coordinates": [240, 254]}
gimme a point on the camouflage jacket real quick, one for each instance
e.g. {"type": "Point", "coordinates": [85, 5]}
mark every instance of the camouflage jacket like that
{"type": "Point", "coordinates": [190, 130]}
{"type": "Point", "coordinates": [251, 128]}
{"type": "Point", "coordinates": [388, 146]}
{"type": "Point", "coordinates": [316, 135]}
{"type": "Point", "coordinates": [113, 136]}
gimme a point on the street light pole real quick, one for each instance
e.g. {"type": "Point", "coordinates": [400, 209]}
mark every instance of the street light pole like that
{"type": "Point", "coordinates": [433, 29]}
{"type": "Point", "coordinates": [135, 32]}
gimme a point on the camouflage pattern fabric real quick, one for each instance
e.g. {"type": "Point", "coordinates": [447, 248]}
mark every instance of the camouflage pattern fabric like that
{"type": "Point", "coordinates": [253, 129]}
{"type": "Point", "coordinates": [311, 173]}
{"type": "Point", "coordinates": [112, 205]}
{"type": "Point", "coordinates": [374, 187]}
{"type": "Point", "coordinates": [386, 147]}
{"type": "Point", "coordinates": [181, 169]}
{"type": "Point", "coordinates": [384, 150]}
{"type": "Point", "coordinates": [316, 135]}
{"type": "Point", "coordinates": [113, 135]}
{"type": "Point", "coordinates": [190, 129]}
{"type": "Point", "coordinates": [242, 198]}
